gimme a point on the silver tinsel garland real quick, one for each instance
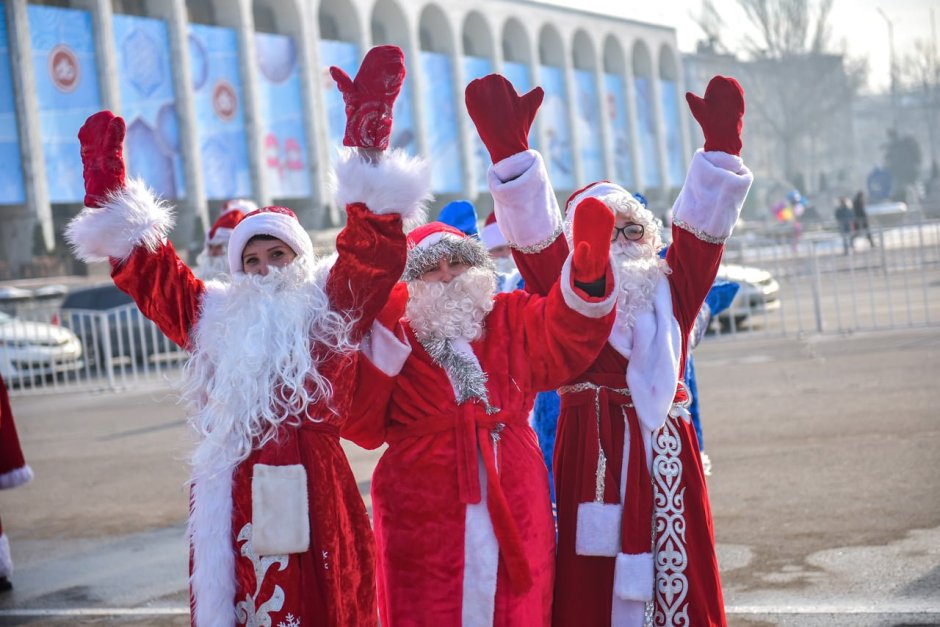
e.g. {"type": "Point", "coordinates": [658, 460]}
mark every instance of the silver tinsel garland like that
{"type": "Point", "coordinates": [468, 378]}
{"type": "Point", "coordinates": [463, 250]}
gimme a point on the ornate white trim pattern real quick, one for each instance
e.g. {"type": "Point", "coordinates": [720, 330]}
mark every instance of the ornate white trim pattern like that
{"type": "Point", "coordinates": [539, 246]}
{"type": "Point", "coordinates": [671, 559]}
{"type": "Point", "coordinates": [248, 612]}
{"type": "Point", "coordinates": [699, 233]}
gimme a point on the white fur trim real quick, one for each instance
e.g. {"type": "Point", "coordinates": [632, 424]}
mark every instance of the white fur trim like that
{"type": "Point", "coordinates": [6, 559]}
{"type": "Point", "coordinates": [597, 190]}
{"type": "Point", "coordinates": [597, 309]}
{"type": "Point", "coordinates": [492, 237]}
{"type": "Point", "coordinates": [279, 225]}
{"type": "Point", "coordinates": [384, 350]}
{"type": "Point", "coordinates": [713, 194]}
{"type": "Point", "coordinates": [480, 561]}
{"type": "Point", "coordinates": [280, 512]}
{"type": "Point", "coordinates": [633, 577]}
{"type": "Point", "coordinates": [132, 216]}
{"type": "Point", "coordinates": [16, 477]}
{"type": "Point", "coordinates": [524, 201]}
{"type": "Point", "coordinates": [398, 183]}
{"type": "Point", "coordinates": [598, 529]}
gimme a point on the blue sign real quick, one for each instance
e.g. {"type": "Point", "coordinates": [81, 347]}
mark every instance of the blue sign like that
{"type": "Point", "coordinates": [66, 74]}
{"type": "Point", "coordinates": [555, 128]}
{"type": "Point", "coordinates": [591, 145]}
{"type": "Point", "coordinates": [646, 128]}
{"type": "Point", "coordinates": [282, 117]}
{"type": "Point", "coordinates": [477, 67]}
{"type": "Point", "coordinates": [879, 185]}
{"type": "Point", "coordinates": [11, 167]}
{"type": "Point", "coordinates": [441, 120]}
{"type": "Point", "coordinates": [518, 74]}
{"type": "Point", "coordinates": [669, 98]}
{"type": "Point", "coordinates": [618, 124]}
{"type": "Point", "coordinates": [148, 103]}
{"type": "Point", "coordinates": [220, 111]}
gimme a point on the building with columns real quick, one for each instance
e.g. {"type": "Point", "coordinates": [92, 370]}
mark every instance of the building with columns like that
{"type": "Point", "coordinates": [232, 98]}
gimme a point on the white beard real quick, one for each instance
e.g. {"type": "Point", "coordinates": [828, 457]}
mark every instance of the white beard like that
{"type": "Point", "coordinates": [639, 268]}
{"type": "Point", "coordinates": [253, 367]}
{"type": "Point", "coordinates": [453, 310]}
{"type": "Point", "coordinates": [211, 267]}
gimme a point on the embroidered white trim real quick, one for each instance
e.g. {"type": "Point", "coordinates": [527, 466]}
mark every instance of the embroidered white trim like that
{"type": "Point", "coordinates": [248, 612]}
{"type": "Point", "coordinates": [699, 233]}
{"type": "Point", "coordinates": [539, 246]}
{"type": "Point", "coordinates": [671, 559]}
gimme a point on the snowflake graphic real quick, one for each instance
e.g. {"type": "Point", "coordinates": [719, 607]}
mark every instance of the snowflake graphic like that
{"type": "Point", "coordinates": [291, 621]}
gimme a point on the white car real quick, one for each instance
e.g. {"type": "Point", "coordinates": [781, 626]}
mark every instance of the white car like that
{"type": "Point", "coordinates": [29, 350]}
{"type": "Point", "coordinates": [759, 293]}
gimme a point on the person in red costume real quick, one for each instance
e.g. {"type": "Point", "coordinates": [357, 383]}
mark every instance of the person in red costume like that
{"type": "Point", "coordinates": [212, 261]}
{"type": "Point", "coordinates": [635, 538]}
{"type": "Point", "coordinates": [14, 472]}
{"type": "Point", "coordinates": [462, 516]}
{"type": "Point", "coordinates": [278, 531]}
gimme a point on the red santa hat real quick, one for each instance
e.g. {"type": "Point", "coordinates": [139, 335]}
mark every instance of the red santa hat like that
{"type": "Point", "coordinates": [244, 205]}
{"type": "Point", "coordinates": [279, 222]}
{"type": "Point", "coordinates": [491, 236]}
{"type": "Point", "coordinates": [221, 230]}
{"type": "Point", "coordinates": [429, 243]}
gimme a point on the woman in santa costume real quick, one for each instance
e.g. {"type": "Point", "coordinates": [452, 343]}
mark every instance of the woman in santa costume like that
{"type": "Point", "coordinates": [14, 472]}
{"type": "Point", "coordinates": [278, 531]}
{"type": "Point", "coordinates": [635, 539]}
{"type": "Point", "coordinates": [462, 517]}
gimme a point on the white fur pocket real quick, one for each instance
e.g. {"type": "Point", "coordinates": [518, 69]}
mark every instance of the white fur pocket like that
{"type": "Point", "coordinates": [280, 521]}
{"type": "Point", "coordinates": [633, 577]}
{"type": "Point", "coordinates": [598, 531]}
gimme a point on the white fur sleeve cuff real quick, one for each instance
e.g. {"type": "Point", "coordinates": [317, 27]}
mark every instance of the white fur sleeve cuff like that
{"type": "Point", "coordinates": [711, 198]}
{"type": "Point", "coordinates": [589, 309]}
{"type": "Point", "coordinates": [384, 350]}
{"type": "Point", "coordinates": [132, 216]}
{"type": "Point", "coordinates": [524, 201]}
{"type": "Point", "coordinates": [398, 183]}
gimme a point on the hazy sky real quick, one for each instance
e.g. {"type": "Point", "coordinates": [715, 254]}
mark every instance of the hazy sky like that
{"type": "Point", "coordinates": [857, 23]}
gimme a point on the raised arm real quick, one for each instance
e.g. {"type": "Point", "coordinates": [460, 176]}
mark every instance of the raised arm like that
{"type": "Point", "coordinates": [125, 223]}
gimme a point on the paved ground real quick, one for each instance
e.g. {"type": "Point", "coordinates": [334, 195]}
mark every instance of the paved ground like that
{"type": "Point", "coordinates": [825, 489]}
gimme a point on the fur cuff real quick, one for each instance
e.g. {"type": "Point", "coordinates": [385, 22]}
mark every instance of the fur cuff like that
{"type": "Point", "coordinates": [16, 477]}
{"type": "Point", "coordinates": [132, 216]}
{"type": "Point", "coordinates": [398, 183]}
{"type": "Point", "coordinates": [524, 201]}
{"type": "Point", "coordinates": [6, 559]}
{"type": "Point", "coordinates": [598, 530]}
{"type": "Point", "coordinates": [384, 350]}
{"type": "Point", "coordinates": [633, 577]}
{"type": "Point", "coordinates": [711, 198]}
{"type": "Point", "coordinates": [594, 308]}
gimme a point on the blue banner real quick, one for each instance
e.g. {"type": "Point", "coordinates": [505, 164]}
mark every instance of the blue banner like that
{"type": "Point", "coordinates": [441, 124]}
{"type": "Point", "coordinates": [619, 128]}
{"type": "Point", "coordinates": [591, 145]}
{"type": "Point", "coordinates": [66, 74]}
{"type": "Point", "coordinates": [11, 167]}
{"type": "Point", "coordinates": [403, 128]}
{"type": "Point", "coordinates": [148, 103]}
{"type": "Point", "coordinates": [282, 117]}
{"type": "Point", "coordinates": [646, 127]}
{"type": "Point", "coordinates": [518, 74]}
{"type": "Point", "coordinates": [477, 67]}
{"type": "Point", "coordinates": [555, 128]}
{"type": "Point", "coordinates": [220, 111]}
{"type": "Point", "coordinates": [669, 98]}
{"type": "Point", "coordinates": [344, 55]}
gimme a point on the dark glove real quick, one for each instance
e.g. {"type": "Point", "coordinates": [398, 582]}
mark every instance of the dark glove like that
{"type": "Point", "coordinates": [370, 97]}
{"type": "Point", "coordinates": [502, 117]}
{"type": "Point", "coordinates": [102, 138]}
{"type": "Point", "coordinates": [590, 234]}
{"type": "Point", "coordinates": [720, 114]}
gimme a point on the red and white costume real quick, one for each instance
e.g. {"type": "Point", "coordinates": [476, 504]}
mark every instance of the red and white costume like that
{"type": "Point", "coordinates": [296, 492]}
{"type": "Point", "coordinates": [462, 517]}
{"type": "Point", "coordinates": [14, 471]}
{"type": "Point", "coordinates": [623, 436]}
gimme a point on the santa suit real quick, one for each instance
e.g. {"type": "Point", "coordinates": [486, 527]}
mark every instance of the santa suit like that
{"type": "Point", "coordinates": [296, 490]}
{"type": "Point", "coordinates": [462, 517]}
{"type": "Point", "coordinates": [14, 471]}
{"type": "Point", "coordinates": [657, 553]}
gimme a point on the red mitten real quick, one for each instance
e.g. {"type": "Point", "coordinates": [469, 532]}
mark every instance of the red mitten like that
{"type": "Point", "coordinates": [502, 117]}
{"type": "Point", "coordinates": [102, 139]}
{"type": "Point", "coordinates": [720, 114]}
{"type": "Point", "coordinates": [394, 309]}
{"type": "Point", "coordinates": [591, 231]}
{"type": "Point", "coordinates": [369, 98]}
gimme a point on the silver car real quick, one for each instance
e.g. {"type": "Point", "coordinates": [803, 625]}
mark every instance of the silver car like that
{"type": "Point", "coordinates": [759, 294]}
{"type": "Point", "coordinates": [30, 350]}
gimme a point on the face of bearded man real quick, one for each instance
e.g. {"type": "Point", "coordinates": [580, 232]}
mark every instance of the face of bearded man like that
{"type": "Point", "coordinates": [454, 310]}
{"type": "Point", "coordinates": [211, 267]}
{"type": "Point", "coordinates": [637, 264]}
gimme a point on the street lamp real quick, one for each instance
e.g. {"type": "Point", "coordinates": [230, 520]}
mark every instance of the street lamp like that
{"type": "Point", "coordinates": [894, 108]}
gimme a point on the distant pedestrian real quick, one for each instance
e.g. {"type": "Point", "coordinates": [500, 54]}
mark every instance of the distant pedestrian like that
{"type": "Point", "coordinates": [861, 218]}
{"type": "Point", "coordinates": [845, 218]}
{"type": "Point", "coordinates": [14, 472]}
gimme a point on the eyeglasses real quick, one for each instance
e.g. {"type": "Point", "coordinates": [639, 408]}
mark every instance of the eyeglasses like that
{"type": "Point", "coordinates": [631, 232]}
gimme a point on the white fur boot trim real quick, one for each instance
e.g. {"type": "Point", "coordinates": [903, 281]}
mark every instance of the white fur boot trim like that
{"type": "Point", "coordinates": [6, 560]}
{"type": "Point", "coordinates": [16, 477]}
{"type": "Point", "coordinates": [633, 577]}
{"type": "Point", "coordinates": [598, 530]}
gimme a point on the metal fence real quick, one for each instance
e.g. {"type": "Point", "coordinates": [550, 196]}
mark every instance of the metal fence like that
{"type": "Point", "coordinates": [790, 287]}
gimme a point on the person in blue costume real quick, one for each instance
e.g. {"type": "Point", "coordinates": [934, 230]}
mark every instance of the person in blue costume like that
{"type": "Point", "coordinates": [462, 215]}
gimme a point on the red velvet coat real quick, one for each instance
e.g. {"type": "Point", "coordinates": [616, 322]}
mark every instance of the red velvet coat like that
{"type": "Point", "coordinates": [428, 485]}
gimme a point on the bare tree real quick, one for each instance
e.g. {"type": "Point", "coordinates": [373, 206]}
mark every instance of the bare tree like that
{"type": "Point", "coordinates": [712, 24]}
{"type": "Point", "coordinates": [920, 73]}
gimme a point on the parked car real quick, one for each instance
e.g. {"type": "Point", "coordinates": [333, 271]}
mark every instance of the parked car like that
{"type": "Point", "coordinates": [130, 335]}
{"type": "Point", "coordinates": [30, 350]}
{"type": "Point", "coordinates": [759, 294]}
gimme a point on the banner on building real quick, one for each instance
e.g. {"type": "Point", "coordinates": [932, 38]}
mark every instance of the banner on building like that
{"type": "Point", "coordinates": [555, 128]}
{"type": "Point", "coordinates": [588, 131]}
{"type": "Point", "coordinates": [646, 128]}
{"type": "Point", "coordinates": [440, 119]}
{"type": "Point", "coordinates": [619, 127]}
{"type": "Point", "coordinates": [12, 191]}
{"type": "Point", "coordinates": [669, 101]}
{"type": "Point", "coordinates": [477, 67]}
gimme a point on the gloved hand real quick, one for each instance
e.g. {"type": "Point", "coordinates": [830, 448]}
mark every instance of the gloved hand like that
{"type": "Point", "coordinates": [369, 98]}
{"type": "Point", "coordinates": [720, 114]}
{"type": "Point", "coordinates": [591, 232]}
{"type": "Point", "coordinates": [502, 117]}
{"type": "Point", "coordinates": [102, 138]}
{"type": "Point", "coordinates": [394, 309]}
